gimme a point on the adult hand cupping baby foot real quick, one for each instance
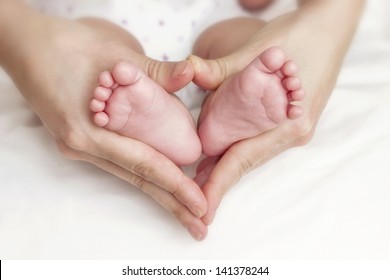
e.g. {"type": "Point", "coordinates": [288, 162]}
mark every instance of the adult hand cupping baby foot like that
{"type": "Point", "coordinates": [55, 64]}
{"type": "Point", "coordinates": [319, 56]}
{"type": "Point", "coordinates": [255, 130]}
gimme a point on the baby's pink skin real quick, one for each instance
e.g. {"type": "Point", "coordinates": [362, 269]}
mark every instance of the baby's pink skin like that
{"type": "Point", "coordinates": [248, 103]}
{"type": "Point", "coordinates": [130, 103]}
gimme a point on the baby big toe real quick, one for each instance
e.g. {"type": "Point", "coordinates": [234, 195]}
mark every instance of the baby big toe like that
{"type": "Point", "coordinates": [126, 74]}
{"type": "Point", "coordinates": [273, 58]}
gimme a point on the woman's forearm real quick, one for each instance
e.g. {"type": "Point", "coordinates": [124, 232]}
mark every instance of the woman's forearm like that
{"type": "Point", "coordinates": [335, 18]}
{"type": "Point", "coordinates": [15, 18]}
{"type": "Point", "coordinates": [24, 33]}
{"type": "Point", "coordinates": [9, 11]}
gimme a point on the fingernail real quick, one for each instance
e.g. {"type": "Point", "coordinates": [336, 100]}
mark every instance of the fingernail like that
{"type": "Point", "coordinates": [208, 220]}
{"type": "Point", "coordinates": [180, 68]}
{"type": "Point", "coordinates": [197, 211]}
{"type": "Point", "coordinates": [199, 65]}
{"type": "Point", "coordinates": [195, 233]}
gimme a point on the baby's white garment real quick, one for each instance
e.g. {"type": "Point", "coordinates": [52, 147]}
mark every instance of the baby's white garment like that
{"type": "Point", "coordinates": [166, 29]}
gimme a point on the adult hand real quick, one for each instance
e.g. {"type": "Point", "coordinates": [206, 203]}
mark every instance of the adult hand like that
{"type": "Point", "coordinates": [55, 64]}
{"type": "Point", "coordinates": [319, 55]}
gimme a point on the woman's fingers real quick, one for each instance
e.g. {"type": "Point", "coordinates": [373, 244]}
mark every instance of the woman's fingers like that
{"type": "Point", "coordinates": [237, 161]}
{"type": "Point", "coordinates": [210, 73]}
{"type": "Point", "coordinates": [150, 167]}
{"type": "Point", "coordinates": [192, 223]}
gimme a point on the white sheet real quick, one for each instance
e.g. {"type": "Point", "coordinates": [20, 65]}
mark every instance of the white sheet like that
{"type": "Point", "coordinates": [328, 199]}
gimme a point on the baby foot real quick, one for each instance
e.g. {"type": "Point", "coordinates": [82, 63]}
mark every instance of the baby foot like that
{"type": "Point", "coordinates": [130, 103]}
{"type": "Point", "coordinates": [255, 100]}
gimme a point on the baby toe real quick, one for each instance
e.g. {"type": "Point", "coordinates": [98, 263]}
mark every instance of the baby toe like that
{"type": "Point", "coordinates": [290, 68]}
{"type": "Point", "coordinates": [273, 58]}
{"type": "Point", "coordinates": [102, 93]}
{"type": "Point", "coordinates": [294, 112]}
{"type": "Point", "coordinates": [292, 83]}
{"type": "Point", "coordinates": [101, 119]}
{"type": "Point", "coordinates": [106, 80]}
{"type": "Point", "coordinates": [297, 95]}
{"type": "Point", "coordinates": [97, 105]}
{"type": "Point", "coordinates": [126, 74]}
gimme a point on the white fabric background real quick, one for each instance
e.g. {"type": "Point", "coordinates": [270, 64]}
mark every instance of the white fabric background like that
{"type": "Point", "coordinates": [328, 199]}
